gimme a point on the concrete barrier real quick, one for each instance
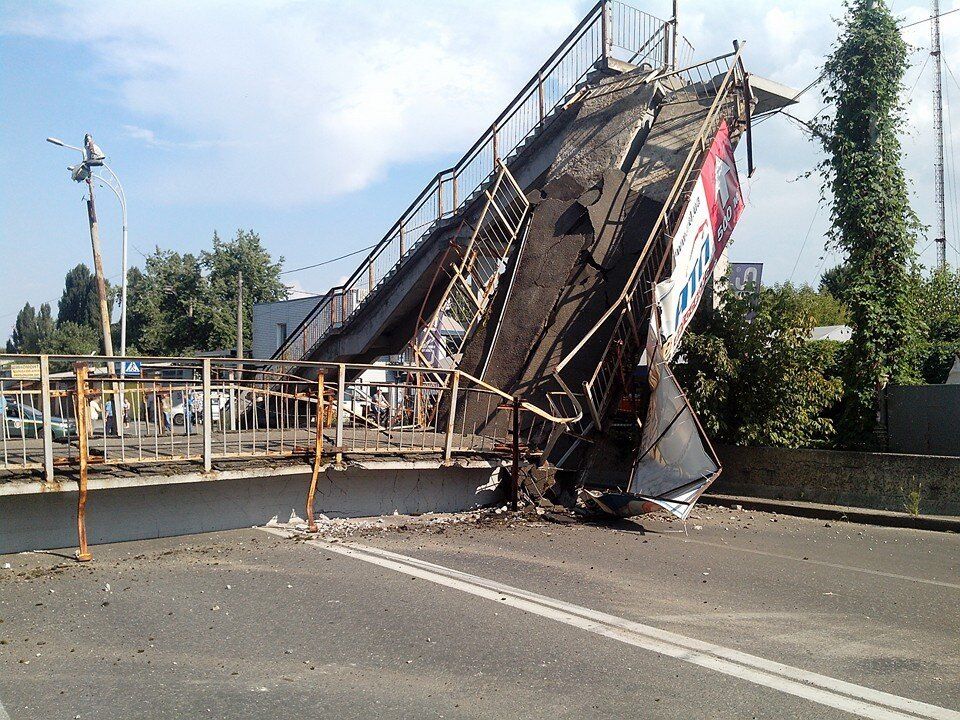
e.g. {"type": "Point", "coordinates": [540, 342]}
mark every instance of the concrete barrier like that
{"type": "Point", "coordinates": [928, 484]}
{"type": "Point", "coordinates": [151, 507]}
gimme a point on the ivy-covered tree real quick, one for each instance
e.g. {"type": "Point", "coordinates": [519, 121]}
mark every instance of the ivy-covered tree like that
{"type": "Point", "coordinates": [872, 222]}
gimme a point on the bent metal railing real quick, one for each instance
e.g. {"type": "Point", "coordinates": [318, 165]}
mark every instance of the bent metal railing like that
{"type": "Point", "coordinates": [610, 30]}
{"type": "Point", "coordinates": [57, 412]}
{"type": "Point", "coordinates": [726, 81]}
{"type": "Point", "coordinates": [63, 415]}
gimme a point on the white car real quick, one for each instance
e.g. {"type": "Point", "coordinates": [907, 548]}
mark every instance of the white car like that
{"type": "Point", "coordinates": [218, 401]}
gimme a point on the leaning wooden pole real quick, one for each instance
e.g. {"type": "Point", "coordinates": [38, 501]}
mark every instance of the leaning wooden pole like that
{"type": "Point", "coordinates": [83, 554]}
{"type": "Point", "coordinates": [317, 452]}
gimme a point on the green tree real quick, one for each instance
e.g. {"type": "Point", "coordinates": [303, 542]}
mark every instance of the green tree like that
{"type": "Point", "coordinates": [835, 281]}
{"type": "Point", "coordinates": [822, 306]}
{"type": "Point", "coordinates": [166, 305]}
{"type": "Point", "coordinates": [80, 302]}
{"type": "Point", "coordinates": [31, 329]}
{"type": "Point", "coordinates": [69, 338]}
{"type": "Point", "coordinates": [261, 283]}
{"type": "Point", "coordinates": [872, 222]}
{"type": "Point", "coordinates": [762, 381]}
{"type": "Point", "coordinates": [938, 302]}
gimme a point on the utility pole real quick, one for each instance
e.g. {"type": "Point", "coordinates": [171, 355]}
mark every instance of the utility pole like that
{"type": "Point", "coordinates": [941, 239]}
{"type": "Point", "coordinates": [98, 270]}
{"type": "Point", "coordinates": [240, 315]}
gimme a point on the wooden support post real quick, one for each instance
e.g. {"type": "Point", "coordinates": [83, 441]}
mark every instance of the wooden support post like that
{"type": "Point", "coordinates": [541, 100]}
{"type": "Point", "coordinates": [341, 387]}
{"type": "Point", "coordinates": [83, 554]}
{"type": "Point", "coordinates": [207, 417]}
{"type": "Point", "coordinates": [317, 452]}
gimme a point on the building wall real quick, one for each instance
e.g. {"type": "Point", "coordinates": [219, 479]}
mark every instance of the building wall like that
{"type": "Point", "coordinates": [266, 318]}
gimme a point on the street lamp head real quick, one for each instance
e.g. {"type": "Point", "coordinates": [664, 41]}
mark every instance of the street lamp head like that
{"type": "Point", "coordinates": [80, 172]}
{"type": "Point", "coordinates": [56, 141]}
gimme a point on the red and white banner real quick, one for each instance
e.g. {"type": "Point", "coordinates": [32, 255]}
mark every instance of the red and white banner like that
{"type": "Point", "coordinates": [704, 230]}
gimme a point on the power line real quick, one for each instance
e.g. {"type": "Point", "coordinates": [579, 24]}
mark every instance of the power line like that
{"type": "Point", "coordinates": [804, 244]}
{"type": "Point", "coordinates": [928, 19]}
{"type": "Point", "coordinates": [327, 262]}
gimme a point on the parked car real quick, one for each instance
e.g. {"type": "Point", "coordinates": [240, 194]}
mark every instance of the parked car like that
{"type": "Point", "coordinates": [218, 401]}
{"type": "Point", "coordinates": [23, 421]}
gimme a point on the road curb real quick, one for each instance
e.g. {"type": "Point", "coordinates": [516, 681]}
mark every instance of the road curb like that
{"type": "Point", "coordinates": [819, 511]}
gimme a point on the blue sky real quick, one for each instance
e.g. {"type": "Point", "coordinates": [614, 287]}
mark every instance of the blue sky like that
{"type": "Point", "coordinates": [315, 124]}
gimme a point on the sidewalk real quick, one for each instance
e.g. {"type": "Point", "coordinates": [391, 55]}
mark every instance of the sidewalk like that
{"type": "Point", "coordinates": [887, 518]}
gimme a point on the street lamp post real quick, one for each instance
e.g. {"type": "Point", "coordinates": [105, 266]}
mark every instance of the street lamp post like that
{"type": "Point", "coordinates": [92, 157]}
{"type": "Point", "coordinates": [121, 196]}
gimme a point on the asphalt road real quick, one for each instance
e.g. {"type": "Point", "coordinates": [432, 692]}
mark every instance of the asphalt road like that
{"type": "Point", "coordinates": [514, 620]}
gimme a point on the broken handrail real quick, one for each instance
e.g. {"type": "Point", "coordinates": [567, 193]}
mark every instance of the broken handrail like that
{"type": "Point", "coordinates": [621, 307]}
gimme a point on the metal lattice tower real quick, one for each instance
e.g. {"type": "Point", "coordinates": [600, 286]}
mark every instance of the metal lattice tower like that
{"type": "Point", "coordinates": [941, 238]}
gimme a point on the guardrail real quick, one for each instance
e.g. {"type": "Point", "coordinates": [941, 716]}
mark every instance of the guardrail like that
{"type": "Point", "coordinates": [611, 29]}
{"type": "Point", "coordinates": [725, 80]}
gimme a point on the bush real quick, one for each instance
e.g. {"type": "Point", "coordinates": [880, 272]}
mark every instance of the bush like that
{"type": "Point", "coordinates": [762, 381]}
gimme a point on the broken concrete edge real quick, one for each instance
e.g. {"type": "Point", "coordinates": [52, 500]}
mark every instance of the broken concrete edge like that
{"type": "Point", "coordinates": [819, 511]}
{"type": "Point", "coordinates": [198, 476]}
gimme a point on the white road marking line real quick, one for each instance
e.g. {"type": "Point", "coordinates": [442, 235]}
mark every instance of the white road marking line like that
{"type": "Point", "coordinates": [855, 699]}
{"type": "Point", "coordinates": [894, 576]}
{"type": "Point", "coordinates": [3, 713]}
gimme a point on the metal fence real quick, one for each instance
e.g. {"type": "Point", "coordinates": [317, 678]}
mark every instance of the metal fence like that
{"type": "Point", "coordinates": [68, 412]}
{"type": "Point", "coordinates": [611, 29]}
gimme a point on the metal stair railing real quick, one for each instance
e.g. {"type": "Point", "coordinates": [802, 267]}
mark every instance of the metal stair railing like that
{"type": "Point", "coordinates": [611, 29]}
{"type": "Point", "coordinates": [473, 278]}
{"type": "Point", "coordinates": [626, 342]}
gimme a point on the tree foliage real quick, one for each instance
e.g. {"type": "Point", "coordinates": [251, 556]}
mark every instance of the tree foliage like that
{"type": "Point", "coordinates": [182, 303]}
{"type": "Point", "coordinates": [69, 338]}
{"type": "Point", "coordinates": [31, 330]}
{"type": "Point", "coordinates": [938, 302]}
{"type": "Point", "coordinates": [762, 381]}
{"type": "Point", "coordinates": [872, 222]}
{"type": "Point", "coordinates": [165, 313]}
{"type": "Point", "coordinates": [80, 303]}
{"type": "Point", "coordinates": [261, 283]}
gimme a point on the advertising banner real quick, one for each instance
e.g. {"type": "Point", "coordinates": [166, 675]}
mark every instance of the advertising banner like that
{"type": "Point", "coordinates": [706, 226]}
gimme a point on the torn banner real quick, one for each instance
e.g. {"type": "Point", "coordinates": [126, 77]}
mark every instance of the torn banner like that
{"type": "Point", "coordinates": [676, 463]}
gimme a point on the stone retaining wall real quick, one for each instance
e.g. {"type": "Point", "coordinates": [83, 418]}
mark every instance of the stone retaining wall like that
{"type": "Point", "coordinates": [927, 484]}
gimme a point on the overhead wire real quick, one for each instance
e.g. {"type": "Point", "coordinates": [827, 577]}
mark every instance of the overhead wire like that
{"type": "Point", "coordinates": [328, 262]}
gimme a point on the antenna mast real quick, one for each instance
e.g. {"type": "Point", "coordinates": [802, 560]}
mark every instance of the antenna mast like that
{"type": "Point", "coordinates": [941, 239]}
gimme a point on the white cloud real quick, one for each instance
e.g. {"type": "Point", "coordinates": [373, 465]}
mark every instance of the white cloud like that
{"type": "Point", "coordinates": [316, 99]}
